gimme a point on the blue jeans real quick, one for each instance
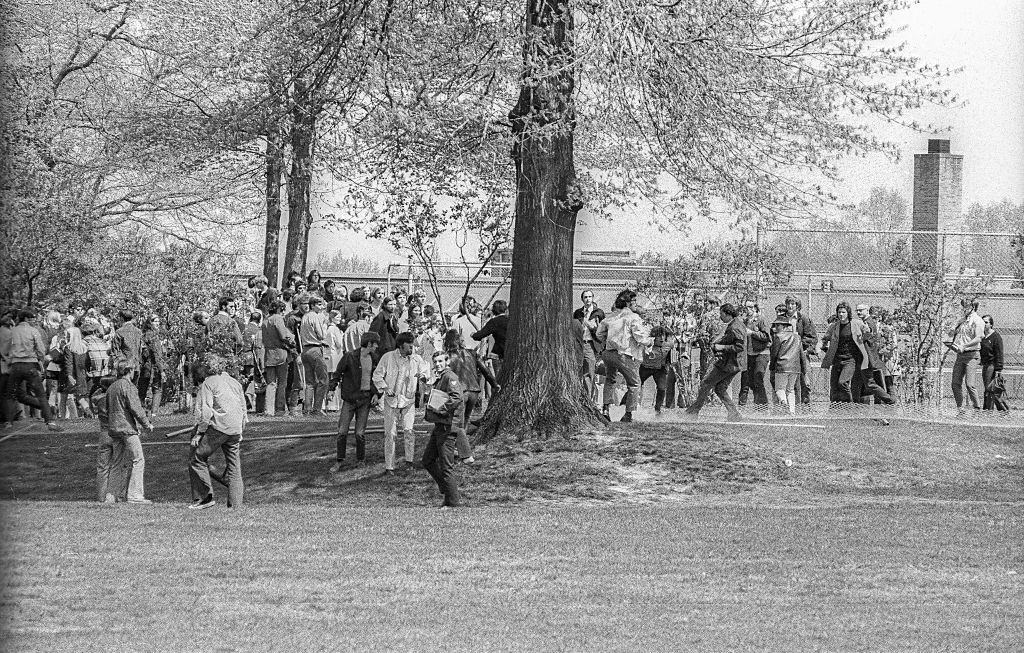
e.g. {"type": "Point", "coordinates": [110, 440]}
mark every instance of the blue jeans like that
{"type": "Point", "coordinates": [361, 411]}
{"type": "Point", "coordinates": [614, 364]}
{"type": "Point", "coordinates": [199, 466]}
{"type": "Point", "coordinates": [964, 370]}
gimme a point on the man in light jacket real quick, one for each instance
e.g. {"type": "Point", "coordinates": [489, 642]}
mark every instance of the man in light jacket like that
{"type": "Point", "coordinates": [625, 338]}
{"type": "Point", "coordinates": [730, 350]}
{"type": "Point", "coordinates": [220, 418]}
{"type": "Point", "coordinates": [397, 379]}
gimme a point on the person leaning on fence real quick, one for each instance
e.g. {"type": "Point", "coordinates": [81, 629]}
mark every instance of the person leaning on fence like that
{"type": "Point", "coordinates": [730, 351]}
{"type": "Point", "coordinates": [992, 366]}
{"type": "Point", "coordinates": [220, 419]}
{"type": "Point", "coordinates": [353, 377]}
{"type": "Point", "coordinates": [967, 335]}
{"type": "Point", "coordinates": [444, 410]}
{"type": "Point", "coordinates": [124, 416]}
{"type": "Point", "coordinates": [625, 338]}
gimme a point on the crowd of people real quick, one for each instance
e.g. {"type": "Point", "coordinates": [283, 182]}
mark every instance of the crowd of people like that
{"type": "Point", "coordinates": [315, 347]}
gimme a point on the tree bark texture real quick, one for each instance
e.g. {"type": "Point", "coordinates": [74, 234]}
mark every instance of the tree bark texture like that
{"type": "Point", "coordinates": [275, 170]}
{"type": "Point", "coordinates": [300, 179]}
{"type": "Point", "coordinates": [542, 394]}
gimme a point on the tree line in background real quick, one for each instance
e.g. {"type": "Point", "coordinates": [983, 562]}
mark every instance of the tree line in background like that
{"type": "Point", "coordinates": [200, 119]}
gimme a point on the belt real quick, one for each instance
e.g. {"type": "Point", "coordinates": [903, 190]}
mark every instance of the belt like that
{"type": "Point", "coordinates": [305, 347]}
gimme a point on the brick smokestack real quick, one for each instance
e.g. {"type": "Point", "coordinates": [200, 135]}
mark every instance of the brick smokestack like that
{"type": "Point", "coordinates": [938, 185]}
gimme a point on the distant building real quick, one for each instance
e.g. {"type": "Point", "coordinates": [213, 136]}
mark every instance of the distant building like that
{"type": "Point", "coordinates": [617, 258]}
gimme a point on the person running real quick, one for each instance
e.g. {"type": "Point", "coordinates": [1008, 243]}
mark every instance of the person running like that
{"type": "Point", "coordinates": [444, 408]}
{"type": "Point", "coordinates": [220, 420]}
{"type": "Point", "coordinates": [25, 352]}
{"type": "Point", "coordinates": [967, 335]}
{"type": "Point", "coordinates": [845, 355]}
{"type": "Point", "coordinates": [785, 362]}
{"type": "Point", "coordinates": [625, 338]}
{"type": "Point", "coordinates": [354, 380]}
{"type": "Point", "coordinates": [730, 350]}
{"type": "Point", "coordinates": [991, 362]}
{"type": "Point", "coordinates": [124, 416]}
{"type": "Point", "coordinates": [397, 379]}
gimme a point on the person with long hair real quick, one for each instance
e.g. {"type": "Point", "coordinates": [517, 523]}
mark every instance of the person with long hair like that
{"type": "Point", "coordinates": [314, 283]}
{"type": "Point", "coordinates": [847, 358]}
{"type": "Point", "coordinates": [153, 369]}
{"type": "Point", "coordinates": [74, 378]}
{"type": "Point", "coordinates": [625, 339]}
{"type": "Point", "coordinates": [730, 351]}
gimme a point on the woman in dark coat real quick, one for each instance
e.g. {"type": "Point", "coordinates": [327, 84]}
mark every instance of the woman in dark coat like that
{"type": "Point", "coordinates": [991, 361]}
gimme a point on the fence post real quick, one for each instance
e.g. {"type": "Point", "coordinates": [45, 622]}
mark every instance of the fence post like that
{"type": "Point", "coordinates": [757, 248]}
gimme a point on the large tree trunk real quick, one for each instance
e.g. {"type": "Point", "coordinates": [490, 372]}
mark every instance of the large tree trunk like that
{"type": "Point", "coordinates": [275, 169]}
{"type": "Point", "coordinates": [541, 393]}
{"type": "Point", "coordinates": [299, 181]}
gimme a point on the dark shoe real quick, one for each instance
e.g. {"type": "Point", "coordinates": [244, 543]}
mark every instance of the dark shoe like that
{"type": "Point", "coordinates": [628, 417]}
{"type": "Point", "coordinates": [208, 502]}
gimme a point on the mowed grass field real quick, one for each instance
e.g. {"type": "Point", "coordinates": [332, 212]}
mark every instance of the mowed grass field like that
{"type": "Point", "coordinates": [654, 536]}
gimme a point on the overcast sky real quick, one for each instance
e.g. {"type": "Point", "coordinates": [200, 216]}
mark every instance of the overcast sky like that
{"type": "Point", "coordinates": [985, 38]}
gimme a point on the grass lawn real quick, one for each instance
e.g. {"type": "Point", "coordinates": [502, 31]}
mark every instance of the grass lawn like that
{"type": "Point", "coordinates": [643, 537]}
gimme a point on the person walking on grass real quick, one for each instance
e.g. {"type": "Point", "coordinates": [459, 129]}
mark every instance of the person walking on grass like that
{"type": "Point", "coordinates": [657, 362]}
{"type": "Point", "coordinates": [353, 379]}
{"type": "Point", "coordinates": [730, 350]}
{"type": "Point", "coordinates": [125, 415]}
{"type": "Point", "coordinates": [759, 338]}
{"type": "Point", "coordinates": [444, 409]}
{"type": "Point", "coordinates": [25, 352]}
{"type": "Point", "coordinates": [470, 369]}
{"type": "Point", "coordinates": [848, 359]}
{"type": "Point", "coordinates": [785, 362]}
{"type": "Point", "coordinates": [804, 328]}
{"type": "Point", "coordinates": [397, 379]}
{"type": "Point", "coordinates": [109, 454]}
{"type": "Point", "coordinates": [278, 342]}
{"type": "Point", "coordinates": [625, 339]}
{"type": "Point", "coordinates": [220, 419]}
{"type": "Point", "coordinates": [991, 364]}
{"type": "Point", "coordinates": [315, 354]}
{"type": "Point", "coordinates": [967, 335]}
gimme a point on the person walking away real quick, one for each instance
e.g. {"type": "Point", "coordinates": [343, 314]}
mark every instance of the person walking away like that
{"type": "Point", "coordinates": [354, 380]}
{"type": "Point", "coordinates": [992, 364]}
{"type": "Point", "coordinates": [657, 362]}
{"type": "Point", "coordinates": [497, 329]}
{"type": "Point", "coordinates": [804, 328]}
{"type": "Point", "coordinates": [220, 420]}
{"type": "Point", "coordinates": [335, 349]}
{"type": "Point", "coordinates": [730, 351]}
{"type": "Point", "coordinates": [443, 410]}
{"type": "Point", "coordinates": [967, 335]}
{"type": "Point", "coordinates": [759, 339]}
{"type": "Point", "coordinates": [25, 352]}
{"type": "Point", "coordinates": [254, 363]}
{"type": "Point", "coordinates": [124, 416]}
{"type": "Point", "coordinates": [315, 354]}
{"type": "Point", "coordinates": [278, 341]}
{"type": "Point", "coordinates": [385, 325]}
{"type": "Point", "coordinates": [396, 378]}
{"type": "Point", "coordinates": [625, 339]}
{"type": "Point", "coordinates": [469, 368]}
{"type": "Point", "coordinates": [126, 344]}
{"type": "Point", "coordinates": [785, 362]}
{"type": "Point", "coordinates": [590, 317]}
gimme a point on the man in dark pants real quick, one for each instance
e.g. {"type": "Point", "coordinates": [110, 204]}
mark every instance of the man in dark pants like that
{"type": "Point", "coordinates": [590, 316]}
{"type": "Point", "coordinates": [443, 410]}
{"type": "Point", "coordinates": [730, 351]}
{"type": "Point", "coordinates": [24, 352]}
{"type": "Point", "coordinates": [804, 328]}
{"type": "Point", "coordinates": [759, 339]}
{"type": "Point", "coordinates": [497, 326]}
{"type": "Point", "coordinates": [355, 376]}
{"type": "Point", "coordinates": [220, 418]}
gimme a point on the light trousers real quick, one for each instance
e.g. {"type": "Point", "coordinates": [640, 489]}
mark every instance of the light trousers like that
{"type": "Point", "coordinates": [395, 418]}
{"type": "Point", "coordinates": [965, 370]}
{"type": "Point", "coordinates": [116, 460]}
{"type": "Point", "coordinates": [785, 389]}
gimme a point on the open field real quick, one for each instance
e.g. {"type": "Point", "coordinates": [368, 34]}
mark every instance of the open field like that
{"type": "Point", "coordinates": [648, 536]}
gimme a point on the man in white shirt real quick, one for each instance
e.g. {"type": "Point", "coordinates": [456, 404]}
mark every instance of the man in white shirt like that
{"type": "Point", "coordinates": [315, 351]}
{"type": "Point", "coordinates": [220, 418]}
{"type": "Point", "coordinates": [356, 328]}
{"type": "Point", "coordinates": [468, 322]}
{"type": "Point", "coordinates": [966, 344]}
{"type": "Point", "coordinates": [625, 338]}
{"type": "Point", "coordinates": [397, 379]}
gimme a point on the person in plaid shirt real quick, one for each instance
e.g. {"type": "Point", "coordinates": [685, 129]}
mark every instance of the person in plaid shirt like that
{"type": "Point", "coordinates": [98, 351]}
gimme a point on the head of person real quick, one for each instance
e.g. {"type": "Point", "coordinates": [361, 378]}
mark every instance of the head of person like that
{"type": "Point", "coordinates": [499, 307]}
{"type": "Point", "coordinates": [260, 283]}
{"type": "Point", "coordinates": [370, 342]}
{"type": "Point", "coordinates": [415, 312]}
{"type": "Point", "coordinates": [970, 306]}
{"type": "Point", "coordinates": [781, 310]}
{"type": "Point", "coordinates": [335, 317]}
{"type": "Point", "coordinates": [302, 303]}
{"type": "Point", "coordinates": [751, 310]}
{"type": "Point", "coordinates": [863, 312]}
{"type": "Point", "coordinates": [313, 280]}
{"type": "Point", "coordinates": [468, 306]}
{"type": "Point", "coordinates": [782, 325]}
{"type": "Point", "coordinates": [53, 318]}
{"type": "Point", "coordinates": [440, 361]}
{"type": "Point", "coordinates": [90, 328]}
{"type": "Point", "coordinates": [418, 326]}
{"type": "Point", "coordinates": [300, 287]}
{"type": "Point", "coordinates": [403, 343]}
{"type": "Point", "coordinates": [329, 288]}
{"type": "Point", "coordinates": [251, 282]}
{"type": "Point", "coordinates": [125, 316]}
{"type": "Point", "coordinates": [76, 309]}
{"type": "Point", "coordinates": [200, 318]}
{"type": "Point", "coordinates": [226, 304]}
{"type": "Point", "coordinates": [316, 303]}
{"type": "Point", "coordinates": [124, 368]}
{"type": "Point", "coordinates": [151, 323]}
{"type": "Point", "coordinates": [843, 312]}
{"type": "Point", "coordinates": [727, 312]}
{"type": "Point", "coordinates": [588, 298]}
{"type": "Point", "coordinates": [377, 296]}
{"type": "Point", "coordinates": [792, 305]}
{"type": "Point", "coordinates": [357, 295]}
{"type": "Point", "coordinates": [68, 322]}
{"type": "Point", "coordinates": [389, 305]}
{"type": "Point", "coordinates": [277, 307]}
{"type": "Point", "coordinates": [287, 295]}
{"type": "Point", "coordinates": [417, 297]}
{"type": "Point", "coordinates": [214, 364]}
{"type": "Point", "coordinates": [625, 299]}
{"type": "Point", "coordinates": [711, 304]}
{"type": "Point", "coordinates": [256, 317]}
{"type": "Point", "coordinates": [364, 313]}
{"type": "Point", "coordinates": [429, 311]}
{"type": "Point", "coordinates": [990, 324]}
{"type": "Point", "coordinates": [401, 297]}
{"type": "Point", "coordinates": [341, 293]}
{"type": "Point", "coordinates": [452, 341]}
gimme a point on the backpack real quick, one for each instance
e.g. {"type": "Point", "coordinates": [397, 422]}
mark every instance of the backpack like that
{"type": "Point", "coordinates": [656, 357]}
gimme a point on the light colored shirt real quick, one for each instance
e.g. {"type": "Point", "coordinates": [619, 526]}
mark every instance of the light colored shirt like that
{"type": "Point", "coordinates": [220, 404]}
{"type": "Point", "coordinates": [625, 332]}
{"type": "Point", "coordinates": [970, 330]}
{"type": "Point", "coordinates": [313, 329]}
{"type": "Point", "coordinates": [26, 345]}
{"type": "Point", "coordinates": [353, 334]}
{"type": "Point", "coordinates": [467, 325]}
{"type": "Point", "coordinates": [399, 375]}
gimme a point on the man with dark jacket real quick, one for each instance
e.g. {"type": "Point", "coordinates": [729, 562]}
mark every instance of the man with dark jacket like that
{"type": "Point", "coordinates": [350, 309]}
{"type": "Point", "coordinates": [385, 325]}
{"type": "Point", "coordinates": [590, 316]}
{"type": "Point", "coordinates": [278, 342]}
{"type": "Point", "coordinates": [124, 416]}
{"type": "Point", "coordinates": [730, 350]}
{"type": "Point", "coordinates": [497, 327]}
{"type": "Point", "coordinates": [759, 339]}
{"type": "Point", "coordinates": [443, 410]}
{"type": "Point", "coordinates": [355, 376]}
{"type": "Point", "coordinates": [804, 328]}
{"type": "Point", "coordinates": [127, 342]}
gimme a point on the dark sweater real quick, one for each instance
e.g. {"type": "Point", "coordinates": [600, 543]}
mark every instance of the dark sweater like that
{"type": "Point", "coordinates": [497, 326]}
{"type": "Point", "coordinates": [992, 351]}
